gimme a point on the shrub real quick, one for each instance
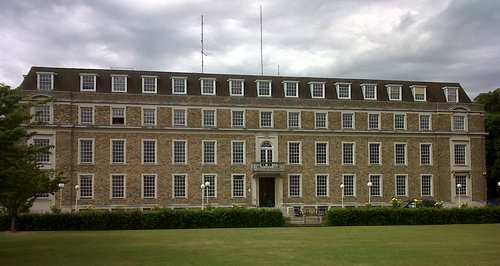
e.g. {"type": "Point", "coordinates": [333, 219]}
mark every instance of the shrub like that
{"type": "Point", "coordinates": [412, 216]}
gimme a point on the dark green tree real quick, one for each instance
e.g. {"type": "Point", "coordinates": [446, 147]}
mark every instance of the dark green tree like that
{"type": "Point", "coordinates": [491, 101]}
{"type": "Point", "coordinates": [21, 176]}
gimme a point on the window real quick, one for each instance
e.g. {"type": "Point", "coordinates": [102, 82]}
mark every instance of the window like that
{"type": "Point", "coordinates": [462, 180]}
{"type": "Point", "coordinates": [317, 89]}
{"type": "Point", "coordinates": [238, 151]}
{"type": "Point", "coordinates": [322, 186]}
{"type": "Point", "coordinates": [425, 154]}
{"type": "Point", "coordinates": [419, 93]}
{"type": "Point", "coordinates": [149, 84]}
{"type": "Point", "coordinates": [149, 151]}
{"type": "Point", "coordinates": [86, 115]}
{"type": "Point", "coordinates": [459, 123]}
{"type": "Point", "coordinates": [207, 86]}
{"type": "Point", "coordinates": [87, 82]}
{"type": "Point", "coordinates": [294, 119]}
{"type": "Point", "coordinates": [291, 89]}
{"type": "Point", "coordinates": [293, 152]}
{"type": "Point", "coordinates": [86, 151]}
{"type": "Point", "coordinates": [238, 186]}
{"type": "Point", "coordinates": [209, 152]}
{"type": "Point", "coordinates": [117, 116]}
{"type": "Point", "coordinates": [399, 121]}
{"type": "Point", "coordinates": [394, 92]}
{"type": "Point", "coordinates": [369, 91]}
{"type": "Point", "coordinates": [321, 152]}
{"type": "Point", "coordinates": [426, 185]}
{"type": "Point", "coordinates": [263, 88]}
{"type": "Point", "coordinates": [451, 94]}
{"type": "Point", "coordinates": [373, 121]}
{"type": "Point", "coordinates": [210, 191]}
{"type": "Point", "coordinates": [266, 119]}
{"type": "Point", "coordinates": [179, 117]}
{"type": "Point", "coordinates": [459, 152]}
{"type": "Point", "coordinates": [179, 186]}
{"type": "Point", "coordinates": [374, 153]}
{"type": "Point", "coordinates": [294, 186]}
{"type": "Point", "coordinates": [401, 185]}
{"type": "Point", "coordinates": [347, 121]}
{"type": "Point", "coordinates": [209, 118]}
{"type": "Point", "coordinates": [45, 81]}
{"type": "Point", "coordinates": [117, 151]}
{"type": "Point", "coordinates": [376, 188]}
{"type": "Point", "coordinates": [425, 122]}
{"type": "Point", "coordinates": [349, 185]}
{"type": "Point", "coordinates": [118, 83]}
{"type": "Point", "coordinates": [180, 151]}
{"type": "Point", "coordinates": [43, 113]}
{"type": "Point", "coordinates": [348, 154]}
{"type": "Point", "coordinates": [117, 186]}
{"type": "Point", "coordinates": [343, 90]}
{"type": "Point", "coordinates": [86, 186]}
{"type": "Point", "coordinates": [179, 85]}
{"type": "Point", "coordinates": [238, 118]}
{"type": "Point", "coordinates": [400, 154]}
{"type": "Point", "coordinates": [149, 116]}
{"type": "Point", "coordinates": [148, 186]}
{"type": "Point", "coordinates": [236, 87]}
{"type": "Point", "coordinates": [43, 158]}
{"type": "Point", "coordinates": [321, 120]}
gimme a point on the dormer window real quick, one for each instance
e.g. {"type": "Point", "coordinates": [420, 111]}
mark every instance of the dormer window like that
{"type": "Point", "coordinates": [179, 85]}
{"type": "Point", "coordinates": [291, 89]}
{"type": "Point", "coordinates": [149, 84]}
{"type": "Point", "coordinates": [87, 82]}
{"type": "Point", "coordinates": [317, 89]}
{"type": "Point", "coordinates": [264, 88]}
{"type": "Point", "coordinates": [207, 86]}
{"type": "Point", "coordinates": [45, 81]}
{"type": "Point", "coordinates": [451, 94]}
{"type": "Point", "coordinates": [369, 91]}
{"type": "Point", "coordinates": [419, 93]}
{"type": "Point", "coordinates": [236, 87]}
{"type": "Point", "coordinates": [394, 92]}
{"type": "Point", "coordinates": [119, 83]}
{"type": "Point", "coordinates": [343, 90]}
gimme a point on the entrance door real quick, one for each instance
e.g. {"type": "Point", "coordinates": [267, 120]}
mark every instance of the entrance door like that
{"type": "Point", "coordinates": [266, 192]}
{"type": "Point", "coordinates": [266, 153]}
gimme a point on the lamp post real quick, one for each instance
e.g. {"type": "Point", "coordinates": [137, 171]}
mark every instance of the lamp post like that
{"type": "Point", "coordinates": [61, 186]}
{"type": "Point", "coordinates": [342, 189]}
{"type": "Point", "coordinates": [207, 184]}
{"type": "Point", "coordinates": [369, 184]}
{"type": "Point", "coordinates": [202, 186]}
{"type": "Point", "coordinates": [459, 192]}
{"type": "Point", "coordinates": [77, 188]}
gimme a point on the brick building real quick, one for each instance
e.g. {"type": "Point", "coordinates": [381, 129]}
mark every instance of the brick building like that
{"type": "Point", "coordinates": [139, 139]}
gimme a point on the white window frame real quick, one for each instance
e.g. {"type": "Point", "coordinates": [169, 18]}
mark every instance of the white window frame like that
{"type": "Point", "coordinates": [80, 120]}
{"type": "Point", "coordinates": [447, 91]}
{"type": "Point", "coordinates": [143, 196]}
{"type": "Point", "coordinates": [258, 83]}
{"type": "Point", "coordinates": [185, 152]}
{"type": "Point", "coordinates": [231, 87]}
{"type": "Point", "coordinates": [47, 158]}
{"type": "Point", "coordinates": [430, 154]}
{"type": "Point", "coordinates": [173, 80]}
{"type": "Point", "coordinates": [243, 152]}
{"type": "Point", "coordinates": [414, 89]}
{"type": "Point", "coordinates": [94, 85]}
{"type": "Point", "coordinates": [155, 111]}
{"type": "Point", "coordinates": [298, 119]}
{"type": "Point", "coordinates": [363, 87]}
{"type": "Point", "coordinates": [454, 124]}
{"type": "Point", "coordinates": [80, 151]}
{"type": "Point", "coordinates": [111, 187]}
{"type": "Point", "coordinates": [186, 186]}
{"type": "Point", "coordinates": [82, 188]}
{"type": "Point", "coordinates": [299, 155]}
{"type": "Point", "coordinates": [285, 90]}
{"type": "Point", "coordinates": [233, 185]}
{"type": "Point", "coordinates": [370, 189]}
{"type": "Point", "coordinates": [353, 120]}
{"type": "Point", "coordinates": [202, 88]}
{"type": "Point", "coordinates": [337, 86]}
{"type": "Point", "coordinates": [36, 115]}
{"type": "Point", "coordinates": [213, 186]}
{"type": "Point", "coordinates": [327, 157]}
{"type": "Point", "coordinates": [143, 80]}
{"type": "Point", "coordinates": [39, 81]}
{"type": "Point", "coordinates": [404, 121]}
{"type": "Point", "coordinates": [232, 119]}
{"type": "Point", "coordinates": [124, 151]}
{"type": "Point", "coordinates": [203, 157]}
{"type": "Point", "coordinates": [394, 86]}
{"type": "Point", "coordinates": [260, 119]}
{"type": "Point", "coordinates": [111, 115]}
{"type": "Point", "coordinates": [327, 184]}
{"type": "Point", "coordinates": [311, 88]}
{"type": "Point", "coordinates": [316, 120]}
{"type": "Point", "coordinates": [420, 122]}
{"type": "Point", "coordinates": [378, 121]}
{"type": "Point", "coordinates": [353, 153]}
{"type": "Point", "coordinates": [379, 153]}
{"type": "Point", "coordinates": [143, 152]}
{"type": "Point", "coordinates": [466, 153]}
{"type": "Point", "coordinates": [464, 189]}
{"type": "Point", "coordinates": [431, 188]}
{"type": "Point", "coordinates": [396, 185]}
{"type": "Point", "coordinates": [290, 186]}
{"type": "Point", "coordinates": [173, 117]}
{"type": "Point", "coordinates": [204, 120]}
{"type": "Point", "coordinates": [114, 83]}
{"type": "Point", "coordinates": [405, 154]}
{"type": "Point", "coordinates": [346, 186]}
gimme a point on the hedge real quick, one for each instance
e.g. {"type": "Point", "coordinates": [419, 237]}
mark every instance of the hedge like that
{"type": "Point", "coordinates": [157, 219]}
{"type": "Point", "coordinates": [417, 216]}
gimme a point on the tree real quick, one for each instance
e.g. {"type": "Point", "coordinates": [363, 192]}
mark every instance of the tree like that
{"type": "Point", "coordinates": [21, 176]}
{"type": "Point", "coordinates": [491, 101]}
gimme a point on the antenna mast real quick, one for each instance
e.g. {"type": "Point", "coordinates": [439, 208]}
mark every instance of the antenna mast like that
{"type": "Point", "coordinates": [202, 51]}
{"type": "Point", "coordinates": [261, 53]}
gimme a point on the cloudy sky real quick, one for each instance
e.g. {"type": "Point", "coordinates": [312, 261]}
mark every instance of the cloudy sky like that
{"type": "Point", "coordinates": [429, 40]}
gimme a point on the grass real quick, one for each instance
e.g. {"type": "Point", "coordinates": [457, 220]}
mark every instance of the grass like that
{"type": "Point", "coordinates": [366, 245]}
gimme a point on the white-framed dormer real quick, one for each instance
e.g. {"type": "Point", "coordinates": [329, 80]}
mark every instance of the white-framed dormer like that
{"type": "Point", "coordinates": [317, 89]}
{"type": "Point", "coordinates": [179, 85]}
{"type": "Point", "coordinates": [369, 91]}
{"type": "Point", "coordinates": [118, 83]}
{"type": "Point", "coordinates": [149, 84]}
{"type": "Point", "coordinates": [343, 90]}
{"type": "Point", "coordinates": [264, 88]}
{"type": "Point", "coordinates": [290, 88]}
{"type": "Point", "coordinates": [45, 81]}
{"type": "Point", "coordinates": [419, 93]}
{"type": "Point", "coordinates": [236, 87]}
{"type": "Point", "coordinates": [207, 86]}
{"type": "Point", "coordinates": [88, 81]}
{"type": "Point", "coordinates": [451, 94]}
{"type": "Point", "coordinates": [394, 92]}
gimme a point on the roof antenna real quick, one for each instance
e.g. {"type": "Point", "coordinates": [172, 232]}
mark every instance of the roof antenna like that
{"type": "Point", "coordinates": [261, 53]}
{"type": "Point", "coordinates": [202, 51]}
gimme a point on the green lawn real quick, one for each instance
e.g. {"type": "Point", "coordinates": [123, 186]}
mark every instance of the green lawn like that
{"type": "Point", "coordinates": [370, 245]}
